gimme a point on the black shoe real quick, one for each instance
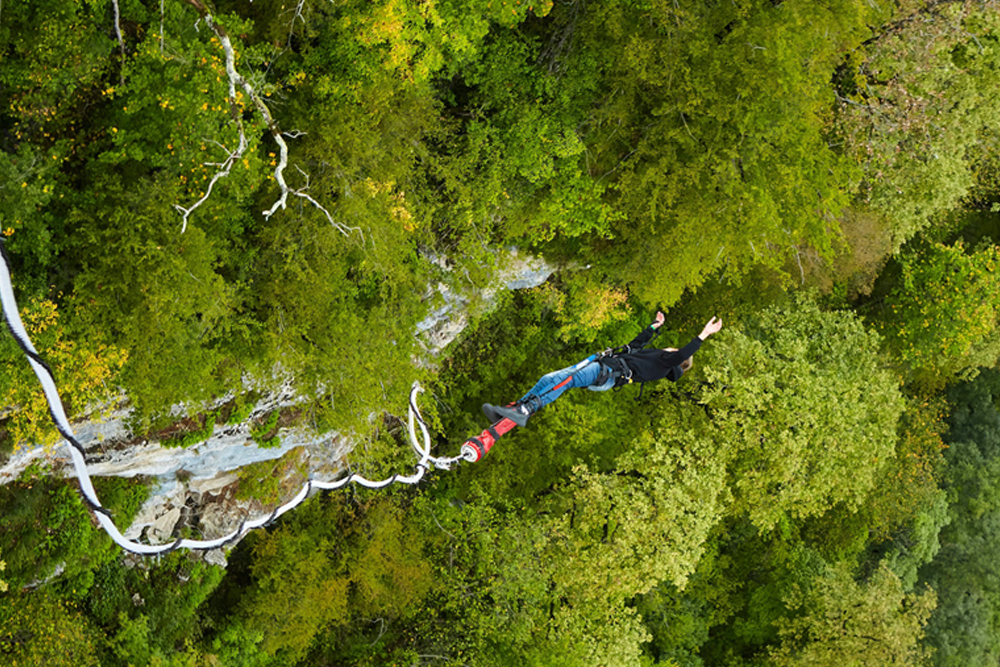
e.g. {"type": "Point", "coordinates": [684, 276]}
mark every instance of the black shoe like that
{"type": "Point", "coordinates": [491, 413]}
{"type": "Point", "coordinates": [518, 414]}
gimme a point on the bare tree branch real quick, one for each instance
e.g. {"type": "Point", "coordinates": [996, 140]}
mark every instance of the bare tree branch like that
{"type": "Point", "coordinates": [296, 15]}
{"type": "Point", "coordinates": [238, 82]}
{"type": "Point", "coordinates": [224, 168]}
{"type": "Point", "coordinates": [798, 258]}
{"type": "Point", "coordinates": [301, 192]}
{"type": "Point", "coordinates": [121, 42]}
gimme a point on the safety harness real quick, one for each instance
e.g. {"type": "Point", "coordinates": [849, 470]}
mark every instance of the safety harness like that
{"type": "Point", "coordinates": [613, 366]}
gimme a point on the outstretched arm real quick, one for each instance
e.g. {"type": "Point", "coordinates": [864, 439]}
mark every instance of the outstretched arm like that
{"type": "Point", "coordinates": [675, 357]}
{"type": "Point", "coordinates": [647, 334]}
{"type": "Point", "coordinates": [713, 326]}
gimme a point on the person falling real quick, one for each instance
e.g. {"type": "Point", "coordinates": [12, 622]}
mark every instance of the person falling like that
{"type": "Point", "coordinates": [632, 364]}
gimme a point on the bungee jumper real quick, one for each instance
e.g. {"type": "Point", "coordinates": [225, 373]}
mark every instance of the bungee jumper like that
{"type": "Point", "coordinates": [610, 369]}
{"type": "Point", "coordinates": [606, 370]}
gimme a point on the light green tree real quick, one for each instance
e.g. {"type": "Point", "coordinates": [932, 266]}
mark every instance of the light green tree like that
{"type": "Point", "coordinates": [914, 106]}
{"type": "Point", "coordinates": [646, 521]}
{"type": "Point", "coordinates": [808, 407]}
{"type": "Point", "coordinates": [838, 622]}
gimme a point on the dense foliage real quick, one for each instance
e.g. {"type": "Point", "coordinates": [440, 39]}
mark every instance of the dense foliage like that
{"type": "Point", "coordinates": [196, 197]}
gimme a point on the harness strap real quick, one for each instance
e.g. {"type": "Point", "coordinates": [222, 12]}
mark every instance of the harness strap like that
{"type": "Point", "coordinates": [617, 369]}
{"type": "Point", "coordinates": [604, 375]}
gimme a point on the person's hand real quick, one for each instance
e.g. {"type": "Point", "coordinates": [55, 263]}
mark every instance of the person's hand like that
{"type": "Point", "coordinates": [660, 319]}
{"type": "Point", "coordinates": [712, 327]}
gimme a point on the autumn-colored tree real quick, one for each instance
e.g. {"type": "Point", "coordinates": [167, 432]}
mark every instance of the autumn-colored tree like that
{"type": "Point", "coordinates": [88, 376]}
{"type": "Point", "coordinates": [40, 629]}
{"type": "Point", "coordinates": [941, 315]}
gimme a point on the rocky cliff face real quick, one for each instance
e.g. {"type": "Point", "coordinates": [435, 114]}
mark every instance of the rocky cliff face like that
{"type": "Point", "coordinates": [446, 321]}
{"type": "Point", "coordinates": [196, 487]}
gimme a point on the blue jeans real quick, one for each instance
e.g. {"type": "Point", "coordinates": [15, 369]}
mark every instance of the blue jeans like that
{"type": "Point", "coordinates": [585, 377]}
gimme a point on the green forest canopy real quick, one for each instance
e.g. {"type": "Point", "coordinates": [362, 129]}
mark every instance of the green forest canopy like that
{"type": "Point", "coordinates": [193, 193]}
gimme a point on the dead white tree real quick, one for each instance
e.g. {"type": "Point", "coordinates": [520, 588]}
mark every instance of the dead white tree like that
{"type": "Point", "coordinates": [296, 16]}
{"type": "Point", "coordinates": [121, 41]}
{"type": "Point", "coordinates": [223, 170]}
{"type": "Point", "coordinates": [239, 83]}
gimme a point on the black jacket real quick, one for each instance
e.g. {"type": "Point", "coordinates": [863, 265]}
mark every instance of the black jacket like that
{"type": "Point", "coordinates": [655, 363]}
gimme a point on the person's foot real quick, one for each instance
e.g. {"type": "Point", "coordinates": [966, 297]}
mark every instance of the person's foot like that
{"type": "Point", "coordinates": [518, 413]}
{"type": "Point", "coordinates": [491, 413]}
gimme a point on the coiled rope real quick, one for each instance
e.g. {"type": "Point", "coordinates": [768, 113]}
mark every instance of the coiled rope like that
{"type": "Point", "coordinates": [421, 447]}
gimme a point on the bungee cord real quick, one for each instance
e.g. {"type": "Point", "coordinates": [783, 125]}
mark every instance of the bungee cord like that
{"type": "Point", "coordinates": [422, 447]}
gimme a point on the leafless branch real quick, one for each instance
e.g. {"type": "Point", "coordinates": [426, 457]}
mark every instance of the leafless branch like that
{"type": "Point", "coordinates": [224, 168]}
{"type": "Point", "coordinates": [686, 125]}
{"type": "Point", "coordinates": [279, 175]}
{"type": "Point", "coordinates": [301, 192]}
{"type": "Point", "coordinates": [238, 82]}
{"type": "Point", "coordinates": [296, 15]}
{"type": "Point", "coordinates": [380, 632]}
{"type": "Point", "coordinates": [121, 42]}
{"type": "Point", "coordinates": [798, 258]}
{"type": "Point", "coordinates": [442, 527]}
{"type": "Point", "coordinates": [22, 176]}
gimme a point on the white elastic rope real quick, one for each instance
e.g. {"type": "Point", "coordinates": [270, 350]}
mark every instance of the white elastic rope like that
{"type": "Point", "coordinates": [58, 413]}
{"type": "Point", "coordinates": [424, 453]}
